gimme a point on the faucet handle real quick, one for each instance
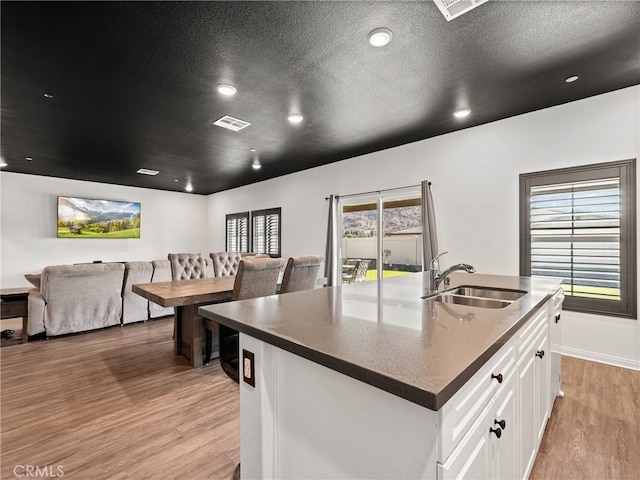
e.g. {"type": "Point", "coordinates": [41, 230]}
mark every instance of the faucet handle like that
{"type": "Point", "coordinates": [434, 264]}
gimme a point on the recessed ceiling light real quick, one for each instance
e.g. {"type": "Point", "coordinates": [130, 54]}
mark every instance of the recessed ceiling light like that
{"type": "Point", "coordinates": [146, 171]}
{"type": "Point", "coordinates": [256, 164]}
{"type": "Point", "coordinates": [28, 159]}
{"type": "Point", "coordinates": [295, 118]}
{"type": "Point", "coordinates": [226, 90]}
{"type": "Point", "coordinates": [571, 79]}
{"type": "Point", "coordinates": [380, 37]}
{"type": "Point", "coordinates": [252, 149]}
{"type": "Point", "coordinates": [47, 95]}
{"type": "Point", "coordinates": [461, 113]}
{"type": "Point", "coordinates": [3, 164]}
{"type": "Point", "coordinates": [189, 187]}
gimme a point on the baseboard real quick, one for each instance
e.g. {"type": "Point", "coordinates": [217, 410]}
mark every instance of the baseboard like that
{"type": "Point", "coordinates": [601, 358]}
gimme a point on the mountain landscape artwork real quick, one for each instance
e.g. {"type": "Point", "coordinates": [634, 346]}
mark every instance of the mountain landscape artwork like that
{"type": "Point", "coordinates": [88, 218]}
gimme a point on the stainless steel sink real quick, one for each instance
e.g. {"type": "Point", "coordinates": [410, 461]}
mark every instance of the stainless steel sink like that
{"type": "Point", "coordinates": [481, 297]}
{"type": "Point", "coordinates": [487, 292]}
{"type": "Point", "coordinates": [470, 301]}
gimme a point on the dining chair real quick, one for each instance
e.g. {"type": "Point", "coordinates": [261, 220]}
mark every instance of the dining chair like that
{"type": "Point", "coordinates": [300, 273]}
{"type": "Point", "coordinates": [225, 264]}
{"type": "Point", "coordinates": [256, 277]}
{"type": "Point", "coordinates": [187, 266]}
{"type": "Point", "coordinates": [349, 270]}
{"type": "Point", "coordinates": [361, 271]}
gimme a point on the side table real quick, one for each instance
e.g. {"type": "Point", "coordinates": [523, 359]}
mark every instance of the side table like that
{"type": "Point", "coordinates": [14, 303]}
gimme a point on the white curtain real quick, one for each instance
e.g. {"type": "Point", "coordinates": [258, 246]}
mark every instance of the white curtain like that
{"type": "Point", "coordinates": [429, 234]}
{"type": "Point", "coordinates": [331, 267]}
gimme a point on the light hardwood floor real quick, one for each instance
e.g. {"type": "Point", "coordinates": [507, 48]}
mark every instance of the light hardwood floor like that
{"type": "Point", "coordinates": [117, 404]}
{"type": "Point", "coordinates": [594, 431]}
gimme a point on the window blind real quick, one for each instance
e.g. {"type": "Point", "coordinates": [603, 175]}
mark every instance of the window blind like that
{"type": "Point", "coordinates": [237, 232]}
{"type": "Point", "coordinates": [266, 231]}
{"type": "Point", "coordinates": [575, 235]}
{"type": "Point", "coordinates": [578, 224]}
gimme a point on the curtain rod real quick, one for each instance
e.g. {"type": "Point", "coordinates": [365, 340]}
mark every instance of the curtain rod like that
{"type": "Point", "coordinates": [374, 191]}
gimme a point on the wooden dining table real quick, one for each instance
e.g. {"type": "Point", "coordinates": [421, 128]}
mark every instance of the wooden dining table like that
{"type": "Point", "coordinates": [186, 296]}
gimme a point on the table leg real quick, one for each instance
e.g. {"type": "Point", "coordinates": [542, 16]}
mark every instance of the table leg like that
{"type": "Point", "coordinates": [177, 331]}
{"type": "Point", "coordinates": [25, 327]}
{"type": "Point", "coordinates": [189, 334]}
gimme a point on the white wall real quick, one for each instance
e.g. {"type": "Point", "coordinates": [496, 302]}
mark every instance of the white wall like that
{"type": "Point", "coordinates": [170, 222]}
{"type": "Point", "coordinates": [475, 186]}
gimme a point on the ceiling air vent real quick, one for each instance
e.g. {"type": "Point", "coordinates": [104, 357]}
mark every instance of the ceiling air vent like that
{"type": "Point", "coordinates": [146, 171]}
{"type": "Point", "coordinates": [454, 8]}
{"type": "Point", "coordinates": [231, 123]}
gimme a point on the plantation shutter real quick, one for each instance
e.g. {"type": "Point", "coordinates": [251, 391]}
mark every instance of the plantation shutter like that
{"type": "Point", "coordinates": [266, 231]}
{"type": "Point", "coordinates": [577, 230]}
{"type": "Point", "coordinates": [575, 235]}
{"type": "Point", "coordinates": [237, 232]}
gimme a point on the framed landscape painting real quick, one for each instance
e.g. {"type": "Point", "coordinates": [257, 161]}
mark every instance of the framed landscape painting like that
{"type": "Point", "coordinates": [89, 218]}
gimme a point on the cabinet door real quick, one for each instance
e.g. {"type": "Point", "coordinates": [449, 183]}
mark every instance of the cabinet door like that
{"type": "Point", "coordinates": [542, 367]}
{"type": "Point", "coordinates": [504, 418]}
{"type": "Point", "coordinates": [471, 459]}
{"type": "Point", "coordinates": [527, 411]}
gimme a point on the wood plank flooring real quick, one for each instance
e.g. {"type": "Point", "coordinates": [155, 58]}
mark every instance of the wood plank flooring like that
{"type": "Point", "coordinates": [594, 431]}
{"type": "Point", "coordinates": [117, 404]}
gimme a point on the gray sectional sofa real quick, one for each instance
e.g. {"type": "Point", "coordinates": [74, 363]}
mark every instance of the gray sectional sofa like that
{"type": "Point", "coordinates": [83, 297]}
{"type": "Point", "coordinates": [78, 298]}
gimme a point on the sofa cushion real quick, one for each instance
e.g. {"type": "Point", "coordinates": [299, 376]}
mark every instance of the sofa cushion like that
{"type": "Point", "coordinates": [161, 273]}
{"type": "Point", "coordinates": [134, 307]}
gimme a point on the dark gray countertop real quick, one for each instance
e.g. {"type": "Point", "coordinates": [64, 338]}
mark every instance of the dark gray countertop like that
{"type": "Point", "coordinates": [383, 333]}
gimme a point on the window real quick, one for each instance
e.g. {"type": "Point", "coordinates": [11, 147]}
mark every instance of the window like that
{"type": "Point", "coordinates": [578, 224]}
{"type": "Point", "coordinates": [237, 232]}
{"type": "Point", "coordinates": [265, 231]}
{"type": "Point", "coordinates": [398, 215]}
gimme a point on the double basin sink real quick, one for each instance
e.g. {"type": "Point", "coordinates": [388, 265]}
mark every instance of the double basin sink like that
{"type": "Point", "coordinates": [473, 296]}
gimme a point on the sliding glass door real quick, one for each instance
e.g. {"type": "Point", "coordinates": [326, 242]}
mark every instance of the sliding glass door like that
{"type": "Point", "coordinates": [381, 235]}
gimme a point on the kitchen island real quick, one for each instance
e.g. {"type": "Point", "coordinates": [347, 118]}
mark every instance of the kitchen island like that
{"type": "Point", "coordinates": [374, 381]}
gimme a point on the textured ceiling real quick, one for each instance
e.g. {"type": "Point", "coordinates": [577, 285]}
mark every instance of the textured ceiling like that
{"type": "Point", "coordinates": [133, 83]}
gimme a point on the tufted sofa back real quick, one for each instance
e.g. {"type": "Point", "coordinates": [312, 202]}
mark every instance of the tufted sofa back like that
{"type": "Point", "coordinates": [186, 266]}
{"type": "Point", "coordinates": [225, 264]}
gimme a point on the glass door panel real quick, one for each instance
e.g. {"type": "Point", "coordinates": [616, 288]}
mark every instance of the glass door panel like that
{"type": "Point", "coordinates": [359, 248]}
{"type": "Point", "coordinates": [402, 239]}
{"type": "Point", "coordinates": [367, 255]}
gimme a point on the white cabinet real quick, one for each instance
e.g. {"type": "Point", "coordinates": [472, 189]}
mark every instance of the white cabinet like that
{"type": "Point", "coordinates": [458, 415]}
{"type": "Point", "coordinates": [504, 447]}
{"type": "Point", "coordinates": [492, 428]}
{"type": "Point", "coordinates": [542, 384]}
{"type": "Point", "coordinates": [555, 342]}
{"type": "Point", "coordinates": [471, 459]}
{"type": "Point", "coordinates": [527, 410]}
{"type": "Point", "coordinates": [533, 393]}
{"type": "Point", "coordinates": [488, 450]}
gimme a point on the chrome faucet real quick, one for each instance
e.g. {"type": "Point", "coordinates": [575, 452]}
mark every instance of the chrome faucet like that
{"type": "Point", "coordinates": [437, 277]}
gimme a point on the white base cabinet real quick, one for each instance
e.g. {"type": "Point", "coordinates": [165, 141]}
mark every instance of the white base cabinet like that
{"type": "Point", "coordinates": [303, 420]}
{"type": "Point", "coordinates": [533, 390]}
{"type": "Point", "coordinates": [488, 450]}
